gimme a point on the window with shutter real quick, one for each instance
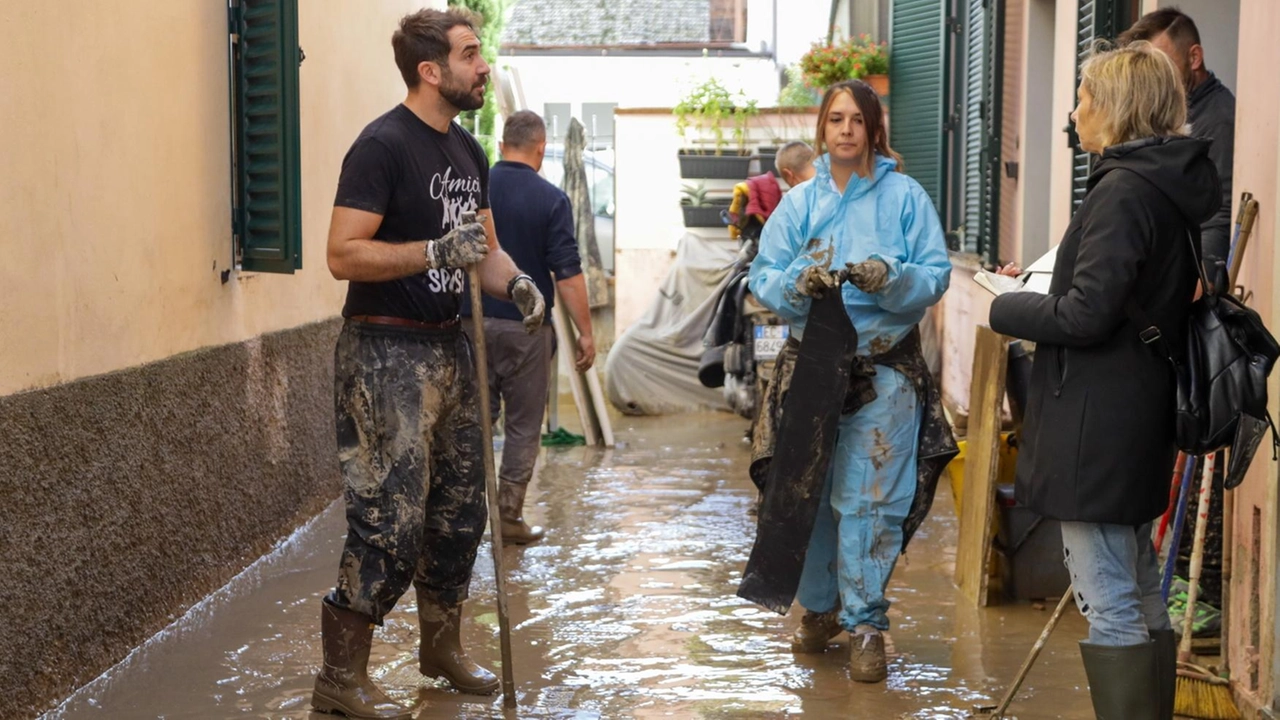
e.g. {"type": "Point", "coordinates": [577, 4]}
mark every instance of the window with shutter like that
{"type": "Point", "coordinates": [266, 177]}
{"type": "Point", "coordinates": [984, 72]}
{"type": "Point", "coordinates": [1095, 20]}
{"type": "Point", "coordinates": [919, 66]}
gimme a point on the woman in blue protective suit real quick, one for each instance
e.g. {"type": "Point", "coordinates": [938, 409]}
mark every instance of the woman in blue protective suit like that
{"type": "Point", "coordinates": [861, 220]}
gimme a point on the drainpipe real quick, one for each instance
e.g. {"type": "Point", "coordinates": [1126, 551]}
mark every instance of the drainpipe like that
{"type": "Point", "coordinates": [774, 47]}
{"type": "Point", "coordinates": [831, 22]}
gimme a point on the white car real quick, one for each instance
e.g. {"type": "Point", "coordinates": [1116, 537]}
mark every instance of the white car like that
{"type": "Point", "coordinates": [600, 183]}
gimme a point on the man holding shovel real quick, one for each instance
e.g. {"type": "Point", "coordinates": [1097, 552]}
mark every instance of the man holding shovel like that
{"type": "Point", "coordinates": [410, 216]}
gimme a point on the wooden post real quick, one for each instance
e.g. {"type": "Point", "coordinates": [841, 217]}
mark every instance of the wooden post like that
{"type": "Point", "coordinates": [986, 399]}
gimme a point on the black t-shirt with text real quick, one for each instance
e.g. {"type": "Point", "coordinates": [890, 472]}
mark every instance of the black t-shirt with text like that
{"type": "Point", "coordinates": [420, 181]}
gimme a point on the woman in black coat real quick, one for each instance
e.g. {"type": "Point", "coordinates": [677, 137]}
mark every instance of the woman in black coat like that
{"type": "Point", "coordinates": [1098, 437]}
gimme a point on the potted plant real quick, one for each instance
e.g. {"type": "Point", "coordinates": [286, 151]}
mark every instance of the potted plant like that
{"type": "Point", "coordinates": [874, 58]}
{"type": "Point", "coordinates": [859, 58]}
{"type": "Point", "coordinates": [698, 210]}
{"type": "Point", "coordinates": [708, 109]}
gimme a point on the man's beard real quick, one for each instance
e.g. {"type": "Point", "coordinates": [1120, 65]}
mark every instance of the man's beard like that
{"type": "Point", "coordinates": [459, 96]}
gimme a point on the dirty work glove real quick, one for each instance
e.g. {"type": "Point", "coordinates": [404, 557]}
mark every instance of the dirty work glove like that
{"type": "Point", "coordinates": [529, 300]}
{"type": "Point", "coordinates": [465, 245]}
{"type": "Point", "coordinates": [869, 276]}
{"type": "Point", "coordinates": [815, 281]}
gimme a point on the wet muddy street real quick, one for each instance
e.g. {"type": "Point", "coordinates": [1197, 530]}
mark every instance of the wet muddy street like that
{"type": "Point", "coordinates": [627, 610]}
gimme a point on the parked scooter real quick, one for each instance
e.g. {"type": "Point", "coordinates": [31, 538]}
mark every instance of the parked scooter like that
{"type": "Point", "coordinates": [744, 337]}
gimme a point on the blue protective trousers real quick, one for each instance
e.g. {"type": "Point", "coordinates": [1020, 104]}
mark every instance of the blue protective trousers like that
{"type": "Point", "coordinates": [857, 536]}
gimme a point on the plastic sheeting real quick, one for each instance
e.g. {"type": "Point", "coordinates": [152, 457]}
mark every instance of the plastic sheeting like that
{"type": "Point", "coordinates": [653, 368]}
{"type": "Point", "coordinates": [584, 218]}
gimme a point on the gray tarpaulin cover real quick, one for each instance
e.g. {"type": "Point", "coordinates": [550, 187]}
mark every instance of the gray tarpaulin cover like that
{"type": "Point", "coordinates": [653, 368]}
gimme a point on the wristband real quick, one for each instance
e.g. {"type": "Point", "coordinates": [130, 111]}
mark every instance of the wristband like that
{"type": "Point", "coordinates": [511, 285]}
{"type": "Point", "coordinates": [429, 255]}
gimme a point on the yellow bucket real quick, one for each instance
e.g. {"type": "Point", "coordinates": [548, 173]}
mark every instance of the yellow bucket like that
{"type": "Point", "coordinates": [955, 469]}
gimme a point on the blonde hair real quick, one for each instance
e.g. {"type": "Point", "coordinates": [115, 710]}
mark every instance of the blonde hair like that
{"type": "Point", "coordinates": [1136, 93]}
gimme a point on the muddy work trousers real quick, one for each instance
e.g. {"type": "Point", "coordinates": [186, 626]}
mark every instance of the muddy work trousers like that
{"type": "Point", "coordinates": [519, 375]}
{"type": "Point", "coordinates": [409, 446]}
{"type": "Point", "coordinates": [857, 536]}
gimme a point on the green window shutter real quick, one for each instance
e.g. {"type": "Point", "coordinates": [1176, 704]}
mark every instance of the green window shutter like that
{"type": "Point", "coordinates": [918, 66]}
{"type": "Point", "coordinates": [1095, 20]}
{"type": "Point", "coordinates": [265, 57]}
{"type": "Point", "coordinates": [984, 75]}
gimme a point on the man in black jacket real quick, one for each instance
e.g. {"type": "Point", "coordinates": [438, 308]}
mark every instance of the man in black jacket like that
{"type": "Point", "coordinates": [1211, 112]}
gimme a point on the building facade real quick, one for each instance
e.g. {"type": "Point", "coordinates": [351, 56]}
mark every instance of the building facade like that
{"type": "Point", "coordinates": [166, 403]}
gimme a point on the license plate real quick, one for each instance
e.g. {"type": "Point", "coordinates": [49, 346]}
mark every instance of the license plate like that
{"type": "Point", "coordinates": [769, 340]}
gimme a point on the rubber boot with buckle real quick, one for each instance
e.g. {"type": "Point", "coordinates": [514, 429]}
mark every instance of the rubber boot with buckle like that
{"type": "Point", "coordinates": [440, 653]}
{"type": "Point", "coordinates": [343, 685]}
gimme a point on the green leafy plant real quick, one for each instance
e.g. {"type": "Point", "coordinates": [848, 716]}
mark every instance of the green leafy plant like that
{"type": "Point", "coordinates": [874, 56]}
{"type": "Point", "coordinates": [796, 93]}
{"type": "Point", "coordinates": [706, 109]}
{"type": "Point", "coordinates": [694, 195]}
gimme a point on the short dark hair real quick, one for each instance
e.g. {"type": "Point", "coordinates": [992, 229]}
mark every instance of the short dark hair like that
{"type": "Point", "coordinates": [1170, 21]}
{"type": "Point", "coordinates": [523, 129]}
{"type": "Point", "coordinates": [423, 36]}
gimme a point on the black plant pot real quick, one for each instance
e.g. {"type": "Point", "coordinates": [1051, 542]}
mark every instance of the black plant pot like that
{"type": "Point", "coordinates": [767, 164]}
{"type": "Point", "coordinates": [704, 216]}
{"type": "Point", "coordinates": [713, 167]}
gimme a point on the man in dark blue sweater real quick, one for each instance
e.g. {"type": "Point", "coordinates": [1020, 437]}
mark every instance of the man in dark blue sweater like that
{"type": "Point", "coordinates": [534, 223]}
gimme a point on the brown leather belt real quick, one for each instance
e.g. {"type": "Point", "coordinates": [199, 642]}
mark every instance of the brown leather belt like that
{"type": "Point", "coordinates": [406, 322]}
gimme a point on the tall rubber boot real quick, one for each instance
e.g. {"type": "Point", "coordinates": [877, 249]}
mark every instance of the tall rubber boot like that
{"type": "Point", "coordinates": [441, 655]}
{"type": "Point", "coordinates": [1166, 669]}
{"type": "Point", "coordinates": [511, 510]}
{"type": "Point", "coordinates": [1123, 681]}
{"type": "Point", "coordinates": [343, 686]}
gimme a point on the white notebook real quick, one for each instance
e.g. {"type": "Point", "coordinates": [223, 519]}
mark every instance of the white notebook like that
{"type": "Point", "coordinates": [998, 284]}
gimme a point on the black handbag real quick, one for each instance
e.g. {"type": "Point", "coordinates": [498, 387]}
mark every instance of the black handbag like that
{"type": "Point", "coordinates": [1221, 375]}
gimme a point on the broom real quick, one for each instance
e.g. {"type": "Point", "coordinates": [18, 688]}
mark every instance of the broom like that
{"type": "Point", "coordinates": [1200, 694]}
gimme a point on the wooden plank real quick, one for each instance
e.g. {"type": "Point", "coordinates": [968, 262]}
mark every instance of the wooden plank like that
{"type": "Point", "coordinates": [564, 339]}
{"type": "Point", "coordinates": [602, 409]}
{"type": "Point", "coordinates": [986, 396]}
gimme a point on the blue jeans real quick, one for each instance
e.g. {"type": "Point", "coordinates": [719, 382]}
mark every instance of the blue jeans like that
{"type": "Point", "coordinates": [857, 535]}
{"type": "Point", "coordinates": [1116, 580]}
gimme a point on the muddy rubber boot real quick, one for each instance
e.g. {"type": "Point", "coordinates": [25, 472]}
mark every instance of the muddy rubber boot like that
{"type": "Point", "coordinates": [866, 655]}
{"type": "Point", "coordinates": [511, 509]}
{"type": "Point", "coordinates": [815, 632]}
{"type": "Point", "coordinates": [441, 655]}
{"type": "Point", "coordinates": [343, 686]}
{"type": "Point", "coordinates": [1166, 670]}
{"type": "Point", "coordinates": [1123, 682]}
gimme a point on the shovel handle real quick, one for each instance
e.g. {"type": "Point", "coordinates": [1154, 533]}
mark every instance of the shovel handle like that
{"type": "Point", "coordinates": [1031, 656]}
{"type": "Point", "coordinates": [491, 486]}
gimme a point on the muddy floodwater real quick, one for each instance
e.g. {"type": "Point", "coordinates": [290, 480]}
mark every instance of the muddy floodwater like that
{"type": "Point", "coordinates": [627, 610]}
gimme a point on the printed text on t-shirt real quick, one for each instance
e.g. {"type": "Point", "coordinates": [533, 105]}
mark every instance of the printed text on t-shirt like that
{"type": "Point", "coordinates": [456, 196]}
